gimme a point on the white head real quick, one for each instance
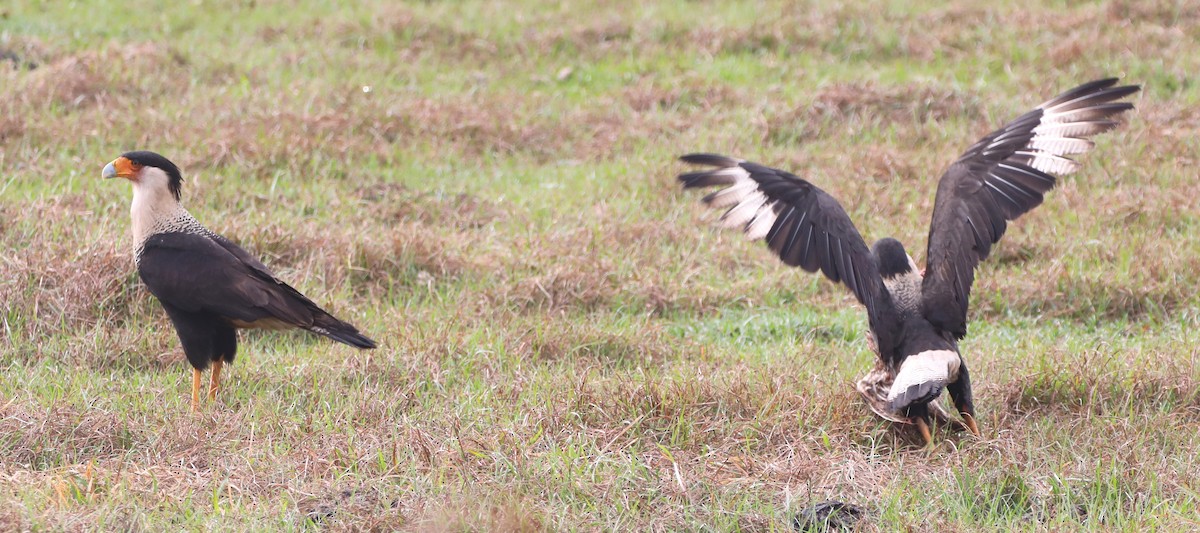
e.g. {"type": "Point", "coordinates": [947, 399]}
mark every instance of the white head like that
{"type": "Point", "coordinates": [156, 189]}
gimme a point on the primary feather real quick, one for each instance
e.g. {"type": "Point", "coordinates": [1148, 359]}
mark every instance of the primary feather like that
{"type": "Point", "coordinates": [1001, 177]}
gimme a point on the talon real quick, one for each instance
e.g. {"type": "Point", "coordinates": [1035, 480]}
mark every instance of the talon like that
{"type": "Point", "coordinates": [215, 381]}
{"type": "Point", "coordinates": [970, 423]}
{"type": "Point", "coordinates": [923, 427]}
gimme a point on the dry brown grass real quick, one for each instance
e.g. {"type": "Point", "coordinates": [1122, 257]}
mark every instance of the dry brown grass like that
{"type": "Point", "coordinates": [1161, 12]}
{"type": "Point", "coordinates": [75, 81]}
{"type": "Point", "coordinates": [66, 286]}
{"type": "Point", "coordinates": [567, 343]}
{"type": "Point", "coordinates": [844, 108]}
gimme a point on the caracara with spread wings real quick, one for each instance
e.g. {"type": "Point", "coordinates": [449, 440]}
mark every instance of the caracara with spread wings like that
{"type": "Point", "coordinates": [917, 318]}
{"type": "Point", "coordinates": [208, 286]}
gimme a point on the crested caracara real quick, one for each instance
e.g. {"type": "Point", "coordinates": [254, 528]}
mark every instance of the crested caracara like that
{"type": "Point", "coordinates": [208, 286]}
{"type": "Point", "coordinates": [917, 318]}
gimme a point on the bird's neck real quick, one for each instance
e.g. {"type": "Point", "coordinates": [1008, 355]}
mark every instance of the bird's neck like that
{"type": "Point", "coordinates": [157, 211]}
{"type": "Point", "coordinates": [905, 290]}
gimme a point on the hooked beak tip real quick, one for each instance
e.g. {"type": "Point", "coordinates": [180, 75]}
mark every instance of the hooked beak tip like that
{"type": "Point", "coordinates": [109, 171]}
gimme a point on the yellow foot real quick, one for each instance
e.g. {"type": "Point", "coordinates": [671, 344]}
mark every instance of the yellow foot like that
{"type": "Point", "coordinates": [196, 390]}
{"type": "Point", "coordinates": [923, 427]}
{"type": "Point", "coordinates": [215, 382]}
{"type": "Point", "coordinates": [970, 422]}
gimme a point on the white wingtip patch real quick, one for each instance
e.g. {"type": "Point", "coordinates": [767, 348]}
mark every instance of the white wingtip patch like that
{"type": "Point", "coordinates": [1060, 145]}
{"type": "Point", "coordinates": [748, 209]}
{"type": "Point", "coordinates": [734, 194]}
{"type": "Point", "coordinates": [1063, 130]}
{"type": "Point", "coordinates": [744, 211]}
{"type": "Point", "coordinates": [1050, 163]}
{"type": "Point", "coordinates": [762, 223]}
{"type": "Point", "coordinates": [1072, 129]}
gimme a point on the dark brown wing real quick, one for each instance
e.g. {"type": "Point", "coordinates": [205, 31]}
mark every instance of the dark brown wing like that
{"type": "Point", "coordinates": [196, 273]}
{"type": "Point", "coordinates": [802, 224]}
{"type": "Point", "coordinates": [1000, 178]}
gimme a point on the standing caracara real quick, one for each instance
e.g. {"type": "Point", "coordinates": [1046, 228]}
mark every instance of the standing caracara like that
{"type": "Point", "coordinates": [209, 286]}
{"type": "Point", "coordinates": [917, 318]}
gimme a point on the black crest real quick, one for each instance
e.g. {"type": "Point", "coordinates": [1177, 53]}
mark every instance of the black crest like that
{"type": "Point", "coordinates": [151, 159]}
{"type": "Point", "coordinates": [891, 257]}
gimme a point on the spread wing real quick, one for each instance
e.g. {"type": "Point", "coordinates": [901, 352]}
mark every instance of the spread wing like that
{"type": "Point", "coordinates": [1000, 178]}
{"type": "Point", "coordinates": [196, 273]}
{"type": "Point", "coordinates": [802, 224]}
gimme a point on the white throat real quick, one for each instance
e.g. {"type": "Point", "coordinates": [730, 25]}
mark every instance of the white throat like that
{"type": "Point", "coordinates": [155, 210]}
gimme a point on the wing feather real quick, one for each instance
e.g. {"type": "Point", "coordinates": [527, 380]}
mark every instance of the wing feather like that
{"type": "Point", "coordinates": [198, 273]}
{"type": "Point", "coordinates": [803, 225]}
{"type": "Point", "coordinates": [1001, 177]}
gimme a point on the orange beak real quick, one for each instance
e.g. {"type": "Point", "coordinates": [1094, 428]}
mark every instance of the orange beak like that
{"type": "Point", "coordinates": [120, 167]}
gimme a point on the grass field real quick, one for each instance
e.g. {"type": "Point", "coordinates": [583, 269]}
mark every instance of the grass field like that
{"type": "Point", "coordinates": [567, 343]}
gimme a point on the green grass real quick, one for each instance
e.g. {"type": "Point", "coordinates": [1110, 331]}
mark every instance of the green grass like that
{"type": "Point", "coordinates": [566, 342]}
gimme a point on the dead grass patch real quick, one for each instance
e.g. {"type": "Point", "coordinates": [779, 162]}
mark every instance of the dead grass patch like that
{"type": "Point", "coordinates": [625, 265]}
{"type": "Point", "coordinates": [22, 52]}
{"type": "Point", "coordinates": [417, 35]}
{"type": "Point", "coordinates": [43, 438]}
{"type": "Point", "coordinates": [1162, 12]}
{"type": "Point", "coordinates": [1083, 390]}
{"type": "Point", "coordinates": [562, 339]}
{"type": "Point", "coordinates": [698, 96]}
{"type": "Point", "coordinates": [371, 261]}
{"type": "Point", "coordinates": [410, 257]}
{"type": "Point", "coordinates": [366, 126]}
{"type": "Point", "coordinates": [264, 133]}
{"type": "Point", "coordinates": [393, 26]}
{"type": "Point", "coordinates": [462, 211]}
{"type": "Point", "coordinates": [701, 414]}
{"type": "Point", "coordinates": [591, 39]}
{"type": "Point", "coordinates": [561, 287]}
{"type": "Point", "coordinates": [63, 285]}
{"type": "Point", "coordinates": [87, 78]}
{"type": "Point", "coordinates": [1154, 284]}
{"type": "Point", "coordinates": [359, 508]}
{"type": "Point", "coordinates": [560, 270]}
{"type": "Point", "coordinates": [758, 38]}
{"type": "Point", "coordinates": [468, 513]}
{"type": "Point", "coordinates": [11, 125]}
{"type": "Point", "coordinates": [1169, 127]}
{"type": "Point", "coordinates": [11, 520]}
{"type": "Point", "coordinates": [842, 109]}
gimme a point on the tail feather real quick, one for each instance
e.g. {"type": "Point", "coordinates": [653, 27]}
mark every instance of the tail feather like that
{"type": "Point", "coordinates": [922, 377]}
{"type": "Point", "coordinates": [352, 338]}
{"type": "Point", "coordinates": [343, 332]}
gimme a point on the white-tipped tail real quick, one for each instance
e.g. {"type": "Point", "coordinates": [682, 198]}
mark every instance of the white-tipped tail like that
{"type": "Point", "coordinates": [922, 377]}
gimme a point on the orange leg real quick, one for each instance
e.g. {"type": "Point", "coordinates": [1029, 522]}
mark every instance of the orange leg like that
{"type": "Point", "coordinates": [196, 390]}
{"type": "Point", "coordinates": [215, 383]}
{"type": "Point", "coordinates": [923, 427]}
{"type": "Point", "coordinates": [970, 422]}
